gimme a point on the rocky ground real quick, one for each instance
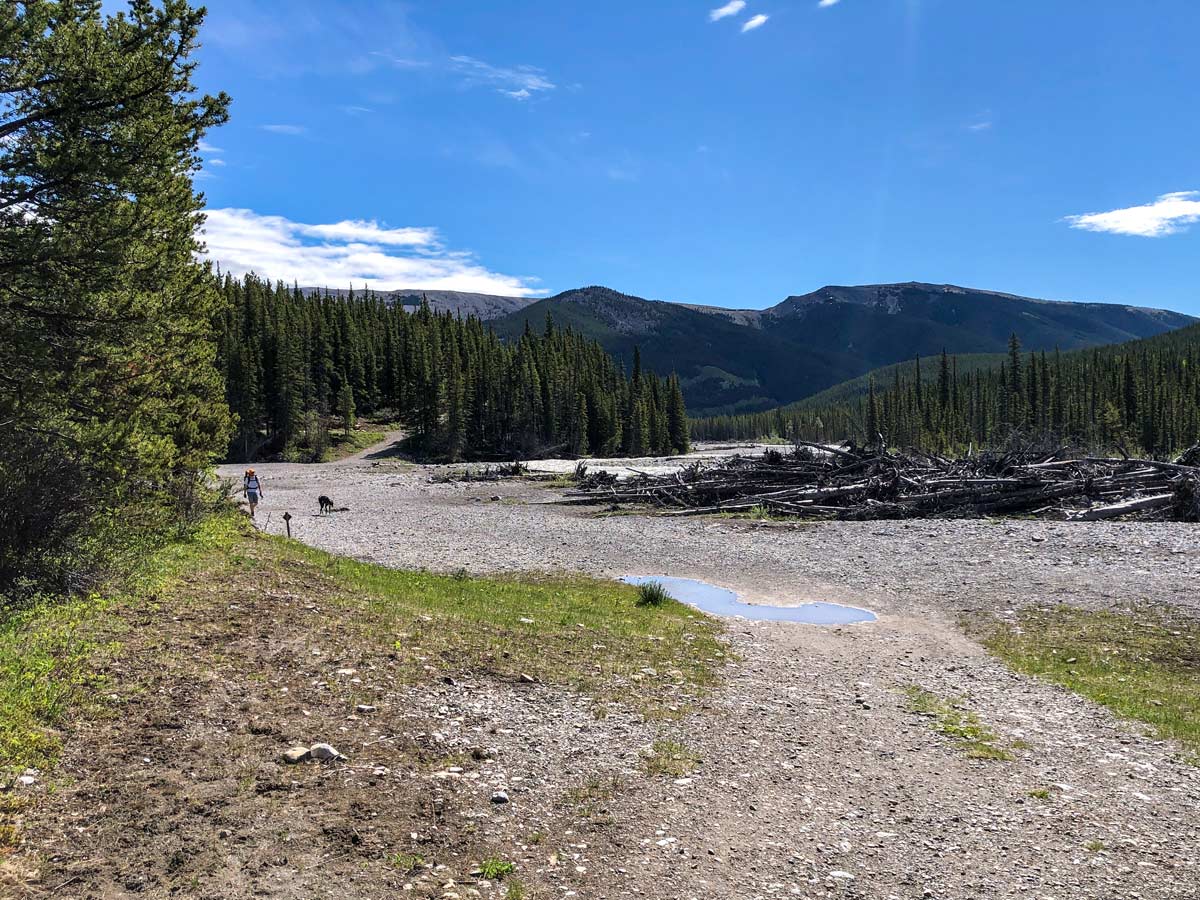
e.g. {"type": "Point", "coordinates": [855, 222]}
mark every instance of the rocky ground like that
{"type": "Point", "coordinates": [814, 777]}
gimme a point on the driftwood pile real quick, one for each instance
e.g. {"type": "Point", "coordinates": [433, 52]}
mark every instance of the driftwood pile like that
{"type": "Point", "coordinates": [847, 483]}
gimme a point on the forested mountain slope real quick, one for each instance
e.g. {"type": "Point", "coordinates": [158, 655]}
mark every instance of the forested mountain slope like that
{"type": "Point", "coordinates": [1143, 396]}
{"type": "Point", "coordinates": [745, 360]}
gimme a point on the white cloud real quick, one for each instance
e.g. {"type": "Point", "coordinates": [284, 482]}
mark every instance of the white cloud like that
{"type": "Point", "coordinates": [216, 162]}
{"type": "Point", "coordinates": [827, 3]}
{"type": "Point", "coordinates": [755, 22]}
{"type": "Point", "coordinates": [1168, 214]}
{"type": "Point", "coordinates": [732, 8]}
{"type": "Point", "coordinates": [206, 147]}
{"type": "Point", "coordinates": [352, 251]}
{"type": "Point", "coordinates": [982, 125]}
{"type": "Point", "coordinates": [517, 82]}
{"type": "Point", "coordinates": [284, 129]}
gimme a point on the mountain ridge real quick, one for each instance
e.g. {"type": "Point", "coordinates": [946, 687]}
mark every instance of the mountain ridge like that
{"type": "Point", "coordinates": [743, 360]}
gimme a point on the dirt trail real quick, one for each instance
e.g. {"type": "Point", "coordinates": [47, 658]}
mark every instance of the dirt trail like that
{"type": "Point", "coordinates": [815, 779]}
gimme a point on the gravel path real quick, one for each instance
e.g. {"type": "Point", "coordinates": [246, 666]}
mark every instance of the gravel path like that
{"type": "Point", "coordinates": [816, 780]}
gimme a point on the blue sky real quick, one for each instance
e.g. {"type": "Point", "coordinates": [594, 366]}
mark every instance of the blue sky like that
{"type": "Point", "coordinates": [690, 151]}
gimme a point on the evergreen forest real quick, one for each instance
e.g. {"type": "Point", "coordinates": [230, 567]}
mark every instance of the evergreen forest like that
{"type": "Point", "coordinates": [295, 361]}
{"type": "Point", "coordinates": [1140, 397]}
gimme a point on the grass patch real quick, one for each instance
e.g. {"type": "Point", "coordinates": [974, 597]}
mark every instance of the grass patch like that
{"type": "Point", "coordinates": [342, 445]}
{"type": "Point", "coordinates": [670, 758]}
{"type": "Point", "coordinates": [1144, 665]}
{"type": "Point", "coordinates": [516, 891]}
{"type": "Point", "coordinates": [406, 863]}
{"type": "Point", "coordinates": [1040, 793]}
{"type": "Point", "coordinates": [585, 633]}
{"type": "Point", "coordinates": [494, 869]}
{"type": "Point", "coordinates": [595, 790]}
{"type": "Point", "coordinates": [961, 726]}
{"type": "Point", "coordinates": [49, 651]}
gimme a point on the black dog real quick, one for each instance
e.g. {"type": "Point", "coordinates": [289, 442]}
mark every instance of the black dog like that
{"type": "Point", "coordinates": [326, 504]}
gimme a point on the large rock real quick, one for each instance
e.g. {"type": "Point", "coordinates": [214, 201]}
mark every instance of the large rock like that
{"type": "Point", "coordinates": [324, 752]}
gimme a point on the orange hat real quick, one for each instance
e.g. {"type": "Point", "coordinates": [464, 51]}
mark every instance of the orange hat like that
{"type": "Point", "coordinates": [249, 471]}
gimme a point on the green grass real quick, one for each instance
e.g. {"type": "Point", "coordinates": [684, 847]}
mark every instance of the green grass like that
{"type": "Point", "coordinates": [516, 891]}
{"type": "Point", "coordinates": [962, 727]}
{"type": "Point", "coordinates": [49, 651]}
{"type": "Point", "coordinates": [342, 445]}
{"type": "Point", "coordinates": [494, 869]}
{"type": "Point", "coordinates": [1143, 664]}
{"type": "Point", "coordinates": [582, 632]}
{"type": "Point", "coordinates": [670, 758]}
{"type": "Point", "coordinates": [652, 593]}
{"type": "Point", "coordinates": [406, 862]}
{"type": "Point", "coordinates": [1040, 793]}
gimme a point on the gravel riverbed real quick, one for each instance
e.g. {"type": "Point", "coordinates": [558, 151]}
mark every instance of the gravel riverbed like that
{"type": "Point", "coordinates": [816, 780]}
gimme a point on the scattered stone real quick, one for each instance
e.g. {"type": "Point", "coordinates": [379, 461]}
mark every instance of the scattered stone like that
{"type": "Point", "coordinates": [324, 752]}
{"type": "Point", "coordinates": [364, 708]}
{"type": "Point", "coordinates": [500, 797]}
{"type": "Point", "coordinates": [527, 679]}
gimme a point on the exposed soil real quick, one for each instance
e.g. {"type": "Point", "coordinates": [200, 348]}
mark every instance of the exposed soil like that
{"type": "Point", "coordinates": [815, 779]}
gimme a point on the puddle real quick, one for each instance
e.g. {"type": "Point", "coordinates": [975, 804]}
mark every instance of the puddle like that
{"type": "Point", "coordinates": [723, 602]}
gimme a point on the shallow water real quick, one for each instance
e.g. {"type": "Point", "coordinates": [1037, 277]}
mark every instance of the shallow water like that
{"type": "Point", "coordinates": [723, 602]}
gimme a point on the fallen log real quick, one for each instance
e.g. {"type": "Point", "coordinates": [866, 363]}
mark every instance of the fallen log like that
{"type": "Point", "coordinates": [1124, 508]}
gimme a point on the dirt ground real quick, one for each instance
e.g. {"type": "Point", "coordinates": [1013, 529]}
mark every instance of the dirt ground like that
{"type": "Point", "coordinates": [814, 778]}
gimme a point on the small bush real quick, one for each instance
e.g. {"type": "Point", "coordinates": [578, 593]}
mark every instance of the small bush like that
{"type": "Point", "coordinates": [652, 593]}
{"type": "Point", "coordinates": [494, 869]}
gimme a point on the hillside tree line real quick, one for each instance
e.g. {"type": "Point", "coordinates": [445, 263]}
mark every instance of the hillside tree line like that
{"type": "Point", "coordinates": [1143, 397]}
{"type": "Point", "coordinates": [294, 361]}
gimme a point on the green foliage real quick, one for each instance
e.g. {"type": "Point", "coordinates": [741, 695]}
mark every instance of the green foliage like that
{"type": "Point", "coordinates": [459, 390]}
{"type": "Point", "coordinates": [406, 862]}
{"type": "Point", "coordinates": [1142, 664]}
{"type": "Point", "coordinates": [107, 386]}
{"type": "Point", "coordinates": [652, 593]}
{"type": "Point", "coordinates": [1142, 397]}
{"type": "Point", "coordinates": [494, 869]}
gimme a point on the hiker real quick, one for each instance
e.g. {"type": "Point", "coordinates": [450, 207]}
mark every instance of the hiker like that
{"type": "Point", "coordinates": [251, 490]}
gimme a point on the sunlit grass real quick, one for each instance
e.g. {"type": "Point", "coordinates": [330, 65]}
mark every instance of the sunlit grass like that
{"type": "Point", "coordinates": [1143, 664]}
{"type": "Point", "coordinates": [962, 727]}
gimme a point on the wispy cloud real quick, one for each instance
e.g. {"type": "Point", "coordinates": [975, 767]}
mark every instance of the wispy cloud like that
{"type": "Point", "coordinates": [216, 162]}
{"type": "Point", "coordinates": [1169, 214]}
{"type": "Point", "coordinates": [732, 8]}
{"type": "Point", "coordinates": [400, 62]}
{"type": "Point", "coordinates": [517, 82]}
{"type": "Point", "coordinates": [356, 110]}
{"type": "Point", "coordinates": [982, 122]}
{"type": "Point", "coordinates": [359, 251]}
{"type": "Point", "coordinates": [827, 3]}
{"type": "Point", "coordinates": [206, 147]}
{"type": "Point", "coordinates": [755, 22]}
{"type": "Point", "coordinates": [285, 129]}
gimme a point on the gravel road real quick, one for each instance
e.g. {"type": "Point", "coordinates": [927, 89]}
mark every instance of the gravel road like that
{"type": "Point", "coordinates": [816, 780]}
